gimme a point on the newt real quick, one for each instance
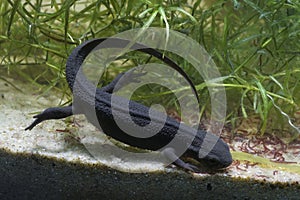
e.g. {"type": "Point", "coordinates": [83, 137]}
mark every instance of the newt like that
{"type": "Point", "coordinates": [218, 157]}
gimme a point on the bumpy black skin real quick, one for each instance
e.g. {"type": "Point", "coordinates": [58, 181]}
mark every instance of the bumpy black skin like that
{"type": "Point", "coordinates": [219, 157]}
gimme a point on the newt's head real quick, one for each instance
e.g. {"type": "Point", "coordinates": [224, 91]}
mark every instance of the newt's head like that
{"type": "Point", "coordinates": [211, 151]}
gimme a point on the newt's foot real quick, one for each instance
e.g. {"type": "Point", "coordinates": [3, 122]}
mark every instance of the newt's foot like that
{"type": "Point", "coordinates": [187, 166]}
{"type": "Point", "coordinates": [170, 154]}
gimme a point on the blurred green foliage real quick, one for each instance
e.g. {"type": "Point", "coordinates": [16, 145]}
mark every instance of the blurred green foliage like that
{"type": "Point", "coordinates": [254, 43]}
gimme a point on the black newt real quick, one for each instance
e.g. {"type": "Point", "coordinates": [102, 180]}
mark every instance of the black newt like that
{"type": "Point", "coordinates": [100, 102]}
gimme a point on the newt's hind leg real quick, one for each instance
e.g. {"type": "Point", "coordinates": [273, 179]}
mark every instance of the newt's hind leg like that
{"type": "Point", "coordinates": [110, 87]}
{"type": "Point", "coordinates": [51, 113]}
{"type": "Point", "coordinates": [131, 76]}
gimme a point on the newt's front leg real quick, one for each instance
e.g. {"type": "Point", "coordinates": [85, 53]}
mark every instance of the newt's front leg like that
{"type": "Point", "coordinates": [170, 154]}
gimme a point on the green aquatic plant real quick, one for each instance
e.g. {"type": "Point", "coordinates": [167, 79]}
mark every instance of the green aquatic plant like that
{"type": "Point", "coordinates": [254, 43]}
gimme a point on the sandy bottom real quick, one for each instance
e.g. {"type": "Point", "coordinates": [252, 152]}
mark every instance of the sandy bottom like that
{"type": "Point", "coordinates": [51, 161]}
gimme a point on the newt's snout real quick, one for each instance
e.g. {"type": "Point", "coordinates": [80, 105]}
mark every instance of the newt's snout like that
{"type": "Point", "coordinates": [213, 152]}
{"type": "Point", "coordinates": [219, 156]}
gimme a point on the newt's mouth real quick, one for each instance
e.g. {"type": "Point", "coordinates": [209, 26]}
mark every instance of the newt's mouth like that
{"type": "Point", "coordinates": [217, 164]}
{"type": "Point", "coordinates": [207, 164]}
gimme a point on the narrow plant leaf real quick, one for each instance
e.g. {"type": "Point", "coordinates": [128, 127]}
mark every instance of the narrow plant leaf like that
{"type": "Point", "coordinates": [15, 6]}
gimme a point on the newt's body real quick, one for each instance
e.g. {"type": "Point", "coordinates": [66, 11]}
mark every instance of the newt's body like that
{"type": "Point", "coordinates": [100, 102]}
